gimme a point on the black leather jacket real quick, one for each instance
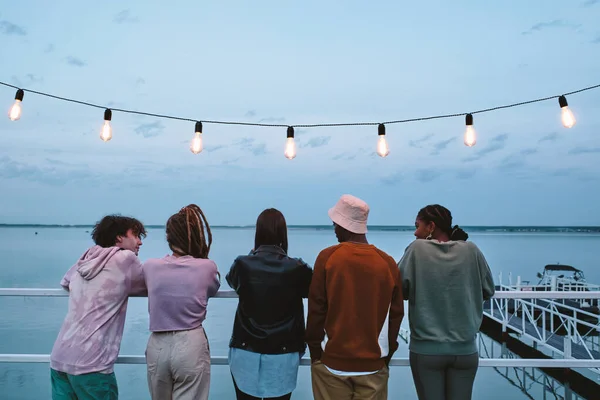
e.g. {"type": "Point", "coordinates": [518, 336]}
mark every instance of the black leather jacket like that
{"type": "Point", "coordinates": [270, 313]}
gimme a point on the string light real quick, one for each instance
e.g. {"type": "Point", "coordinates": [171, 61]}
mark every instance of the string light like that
{"type": "Point", "coordinates": [470, 134]}
{"type": "Point", "coordinates": [568, 119]}
{"type": "Point", "coordinates": [106, 131]}
{"type": "Point", "coordinates": [290, 145]}
{"type": "Point", "coordinates": [470, 139]}
{"type": "Point", "coordinates": [14, 113]}
{"type": "Point", "coordinates": [196, 143]}
{"type": "Point", "coordinates": [382, 145]}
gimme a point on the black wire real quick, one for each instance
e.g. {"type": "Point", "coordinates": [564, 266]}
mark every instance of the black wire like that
{"type": "Point", "coordinates": [400, 121]}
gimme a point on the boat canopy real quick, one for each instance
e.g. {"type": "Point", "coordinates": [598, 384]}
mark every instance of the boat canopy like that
{"type": "Point", "coordinates": [559, 267]}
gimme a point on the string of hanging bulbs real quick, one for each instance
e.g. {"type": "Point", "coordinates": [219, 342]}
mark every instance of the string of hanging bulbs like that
{"type": "Point", "coordinates": [196, 145]}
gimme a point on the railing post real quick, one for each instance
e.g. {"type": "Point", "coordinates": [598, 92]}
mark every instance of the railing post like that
{"type": "Point", "coordinates": [567, 341]}
{"type": "Point", "coordinates": [553, 283]}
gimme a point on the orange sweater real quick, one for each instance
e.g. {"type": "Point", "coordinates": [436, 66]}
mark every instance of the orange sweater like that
{"type": "Point", "coordinates": [355, 308]}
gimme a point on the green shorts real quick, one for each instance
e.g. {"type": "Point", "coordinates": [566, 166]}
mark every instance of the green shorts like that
{"type": "Point", "coordinates": [93, 386]}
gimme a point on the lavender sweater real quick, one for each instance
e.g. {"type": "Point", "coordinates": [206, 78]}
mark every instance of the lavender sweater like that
{"type": "Point", "coordinates": [178, 291]}
{"type": "Point", "coordinates": [99, 285]}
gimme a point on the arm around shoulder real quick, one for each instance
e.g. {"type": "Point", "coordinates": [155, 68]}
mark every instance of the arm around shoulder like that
{"type": "Point", "coordinates": [137, 280]}
{"type": "Point", "coordinates": [233, 276]}
{"type": "Point", "coordinates": [305, 277]}
{"type": "Point", "coordinates": [405, 267]}
{"type": "Point", "coordinates": [317, 307]}
{"type": "Point", "coordinates": [487, 280]}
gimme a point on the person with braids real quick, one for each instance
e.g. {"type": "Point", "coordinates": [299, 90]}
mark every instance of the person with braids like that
{"type": "Point", "coordinates": [99, 285]}
{"type": "Point", "coordinates": [179, 286]}
{"type": "Point", "coordinates": [268, 331]}
{"type": "Point", "coordinates": [445, 280]}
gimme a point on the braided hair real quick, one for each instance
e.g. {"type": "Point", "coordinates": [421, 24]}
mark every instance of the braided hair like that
{"type": "Point", "coordinates": [188, 232]}
{"type": "Point", "coordinates": [442, 218]}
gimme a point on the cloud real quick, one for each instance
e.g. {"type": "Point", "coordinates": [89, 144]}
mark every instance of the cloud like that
{"type": "Point", "coordinates": [439, 146]}
{"type": "Point", "coordinates": [27, 80]}
{"type": "Point", "coordinates": [465, 173]}
{"type": "Point", "coordinates": [528, 152]}
{"type": "Point", "coordinates": [125, 17]}
{"type": "Point", "coordinates": [418, 142]}
{"type": "Point", "coordinates": [210, 149]}
{"type": "Point", "coordinates": [497, 143]}
{"type": "Point", "coordinates": [590, 3]}
{"type": "Point", "coordinates": [596, 41]}
{"type": "Point", "coordinates": [49, 48]}
{"type": "Point", "coordinates": [140, 82]}
{"type": "Point", "coordinates": [317, 142]}
{"type": "Point", "coordinates": [584, 150]}
{"type": "Point", "coordinates": [55, 175]}
{"type": "Point", "coordinates": [551, 137]}
{"type": "Point", "coordinates": [150, 130]}
{"type": "Point", "coordinates": [557, 23]}
{"type": "Point", "coordinates": [16, 81]}
{"type": "Point", "coordinates": [272, 120]}
{"type": "Point", "coordinates": [344, 156]}
{"type": "Point", "coordinates": [250, 114]}
{"type": "Point", "coordinates": [8, 28]}
{"type": "Point", "coordinates": [562, 172]}
{"type": "Point", "coordinates": [427, 175]}
{"type": "Point", "coordinates": [393, 179]}
{"type": "Point", "coordinates": [76, 62]}
{"type": "Point", "coordinates": [250, 145]}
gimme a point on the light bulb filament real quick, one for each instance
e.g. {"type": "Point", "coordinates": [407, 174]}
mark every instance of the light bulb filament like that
{"type": "Point", "coordinates": [106, 132]}
{"type": "Point", "coordinates": [196, 144]}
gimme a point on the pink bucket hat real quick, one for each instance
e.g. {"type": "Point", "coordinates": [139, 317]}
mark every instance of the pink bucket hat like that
{"type": "Point", "coordinates": [350, 213]}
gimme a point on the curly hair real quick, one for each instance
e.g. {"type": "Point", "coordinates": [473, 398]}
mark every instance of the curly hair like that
{"type": "Point", "coordinates": [110, 227]}
{"type": "Point", "coordinates": [442, 218]}
{"type": "Point", "coordinates": [188, 232]}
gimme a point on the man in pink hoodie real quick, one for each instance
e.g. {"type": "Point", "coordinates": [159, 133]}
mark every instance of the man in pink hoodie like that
{"type": "Point", "coordinates": [99, 285]}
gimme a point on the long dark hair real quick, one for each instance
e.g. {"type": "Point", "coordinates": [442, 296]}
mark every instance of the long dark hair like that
{"type": "Point", "coordinates": [442, 218]}
{"type": "Point", "coordinates": [271, 229]}
{"type": "Point", "coordinates": [188, 232]}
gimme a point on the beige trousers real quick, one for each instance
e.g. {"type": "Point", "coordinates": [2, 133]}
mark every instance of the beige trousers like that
{"type": "Point", "coordinates": [178, 365]}
{"type": "Point", "coordinates": [328, 386]}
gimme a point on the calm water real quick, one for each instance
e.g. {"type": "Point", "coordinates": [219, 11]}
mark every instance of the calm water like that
{"type": "Point", "coordinates": [30, 325]}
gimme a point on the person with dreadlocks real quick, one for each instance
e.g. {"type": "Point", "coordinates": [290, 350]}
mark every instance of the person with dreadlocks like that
{"type": "Point", "coordinates": [179, 286]}
{"type": "Point", "coordinates": [445, 280]}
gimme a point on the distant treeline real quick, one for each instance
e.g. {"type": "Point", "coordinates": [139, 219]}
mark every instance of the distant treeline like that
{"type": "Point", "coordinates": [392, 228]}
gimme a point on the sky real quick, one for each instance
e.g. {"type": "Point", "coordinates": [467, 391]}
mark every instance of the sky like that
{"type": "Point", "coordinates": [294, 63]}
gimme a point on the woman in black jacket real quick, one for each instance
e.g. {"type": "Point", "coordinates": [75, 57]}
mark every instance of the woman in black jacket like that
{"type": "Point", "coordinates": [268, 332]}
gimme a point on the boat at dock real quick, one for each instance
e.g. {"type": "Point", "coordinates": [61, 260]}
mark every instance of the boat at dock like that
{"type": "Point", "coordinates": [559, 278]}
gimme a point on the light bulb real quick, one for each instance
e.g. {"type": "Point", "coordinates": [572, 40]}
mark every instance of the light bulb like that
{"type": "Point", "coordinates": [290, 144]}
{"type": "Point", "coordinates": [382, 145]}
{"type": "Point", "coordinates": [196, 144]}
{"type": "Point", "coordinates": [470, 134]}
{"type": "Point", "coordinates": [106, 131]}
{"type": "Point", "coordinates": [568, 119]}
{"type": "Point", "coordinates": [290, 148]}
{"type": "Point", "coordinates": [15, 111]}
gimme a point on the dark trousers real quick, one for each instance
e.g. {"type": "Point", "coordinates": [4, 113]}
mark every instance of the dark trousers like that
{"type": "Point", "coordinates": [243, 396]}
{"type": "Point", "coordinates": [444, 377]}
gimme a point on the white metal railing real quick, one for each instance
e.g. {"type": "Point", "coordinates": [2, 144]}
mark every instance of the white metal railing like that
{"type": "Point", "coordinates": [222, 360]}
{"type": "Point", "coordinates": [524, 315]}
{"type": "Point", "coordinates": [508, 294]}
{"type": "Point", "coordinates": [397, 362]}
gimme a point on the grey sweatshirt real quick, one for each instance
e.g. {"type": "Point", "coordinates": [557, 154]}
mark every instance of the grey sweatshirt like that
{"type": "Point", "coordinates": [445, 285]}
